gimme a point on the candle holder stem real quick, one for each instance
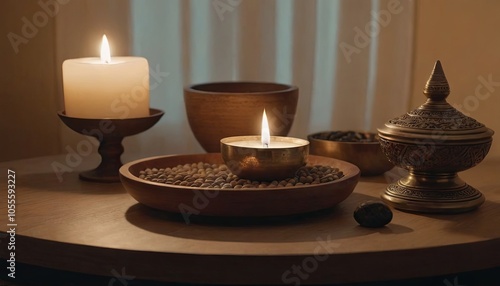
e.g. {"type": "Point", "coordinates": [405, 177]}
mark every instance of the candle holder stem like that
{"type": "Point", "coordinates": [110, 133]}
{"type": "Point", "coordinates": [110, 149]}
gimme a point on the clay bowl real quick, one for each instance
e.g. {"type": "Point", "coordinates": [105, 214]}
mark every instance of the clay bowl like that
{"type": "Point", "coordinates": [251, 202]}
{"type": "Point", "coordinates": [368, 156]}
{"type": "Point", "coordinates": [224, 109]}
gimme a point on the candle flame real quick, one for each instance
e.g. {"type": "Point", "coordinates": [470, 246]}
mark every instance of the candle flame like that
{"type": "Point", "coordinates": [105, 52]}
{"type": "Point", "coordinates": [265, 135]}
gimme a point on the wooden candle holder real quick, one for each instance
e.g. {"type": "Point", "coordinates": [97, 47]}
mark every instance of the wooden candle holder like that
{"type": "Point", "coordinates": [110, 133]}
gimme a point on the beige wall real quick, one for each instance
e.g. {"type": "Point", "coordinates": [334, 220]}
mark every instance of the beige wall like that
{"type": "Point", "coordinates": [31, 92]}
{"type": "Point", "coordinates": [465, 36]}
{"type": "Point", "coordinates": [28, 93]}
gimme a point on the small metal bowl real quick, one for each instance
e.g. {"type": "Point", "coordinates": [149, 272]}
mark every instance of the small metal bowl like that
{"type": "Point", "coordinates": [261, 163]}
{"type": "Point", "coordinates": [367, 155]}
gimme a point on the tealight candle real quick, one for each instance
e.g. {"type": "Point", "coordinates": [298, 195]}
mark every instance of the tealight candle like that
{"type": "Point", "coordinates": [114, 88]}
{"type": "Point", "coordinates": [264, 157]}
{"type": "Point", "coordinates": [277, 142]}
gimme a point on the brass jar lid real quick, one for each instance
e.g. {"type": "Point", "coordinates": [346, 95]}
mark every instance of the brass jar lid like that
{"type": "Point", "coordinates": [436, 120]}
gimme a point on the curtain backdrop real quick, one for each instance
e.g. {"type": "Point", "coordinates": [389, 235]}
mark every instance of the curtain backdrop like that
{"type": "Point", "coordinates": [350, 59]}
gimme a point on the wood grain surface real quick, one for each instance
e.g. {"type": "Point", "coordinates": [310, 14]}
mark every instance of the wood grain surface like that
{"type": "Point", "coordinates": [95, 228]}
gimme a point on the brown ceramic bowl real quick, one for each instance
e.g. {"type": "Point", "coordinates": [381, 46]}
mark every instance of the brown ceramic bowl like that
{"type": "Point", "coordinates": [225, 109]}
{"type": "Point", "coordinates": [367, 156]}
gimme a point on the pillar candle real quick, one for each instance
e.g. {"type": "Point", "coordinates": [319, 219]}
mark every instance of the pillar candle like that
{"type": "Point", "coordinates": [115, 88]}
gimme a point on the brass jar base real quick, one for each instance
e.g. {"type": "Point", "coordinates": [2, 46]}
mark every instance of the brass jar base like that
{"type": "Point", "coordinates": [443, 193]}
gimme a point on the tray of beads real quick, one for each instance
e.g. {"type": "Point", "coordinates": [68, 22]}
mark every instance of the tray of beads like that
{"type": "Point", "coordinates": [200, 184]}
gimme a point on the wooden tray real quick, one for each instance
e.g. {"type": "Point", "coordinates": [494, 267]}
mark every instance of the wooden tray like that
{"type": "Point", "coordinates": [251, 202]}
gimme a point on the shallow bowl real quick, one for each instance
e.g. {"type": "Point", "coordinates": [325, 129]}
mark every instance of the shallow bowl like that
{"type": "Point", "coordinates": [251, 202]}
{"type": "Point", "coordinates": [368, 156]}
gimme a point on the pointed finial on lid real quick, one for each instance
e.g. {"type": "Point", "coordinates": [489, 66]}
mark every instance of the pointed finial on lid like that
{"type": "Point", "coordinates": [437, 87]}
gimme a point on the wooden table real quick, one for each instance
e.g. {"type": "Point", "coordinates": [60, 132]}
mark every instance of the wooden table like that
{"type": "Point", "coordinates": [99, 229]}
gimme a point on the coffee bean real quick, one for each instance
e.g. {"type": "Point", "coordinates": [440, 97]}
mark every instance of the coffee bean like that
{"type": "Point", "coordinates": [206, 175]}
{"type": "Point", "coordinates": [347, 136]}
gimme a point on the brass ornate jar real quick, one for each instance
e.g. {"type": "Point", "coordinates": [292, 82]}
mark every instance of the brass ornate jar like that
{"type": "Point", "coordinates": [434, 142]}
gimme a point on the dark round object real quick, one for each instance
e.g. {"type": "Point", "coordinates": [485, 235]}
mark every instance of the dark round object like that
{"type": "Point", "coordinates": [373, 214]}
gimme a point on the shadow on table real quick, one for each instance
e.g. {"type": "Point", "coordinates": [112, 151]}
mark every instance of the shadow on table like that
{"type": "Point", "coordinates": [336, 222]}
{"type": "Point", "coordinates": [482, 222]}
{"type": "Point", "coordinates": [69, 183]}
